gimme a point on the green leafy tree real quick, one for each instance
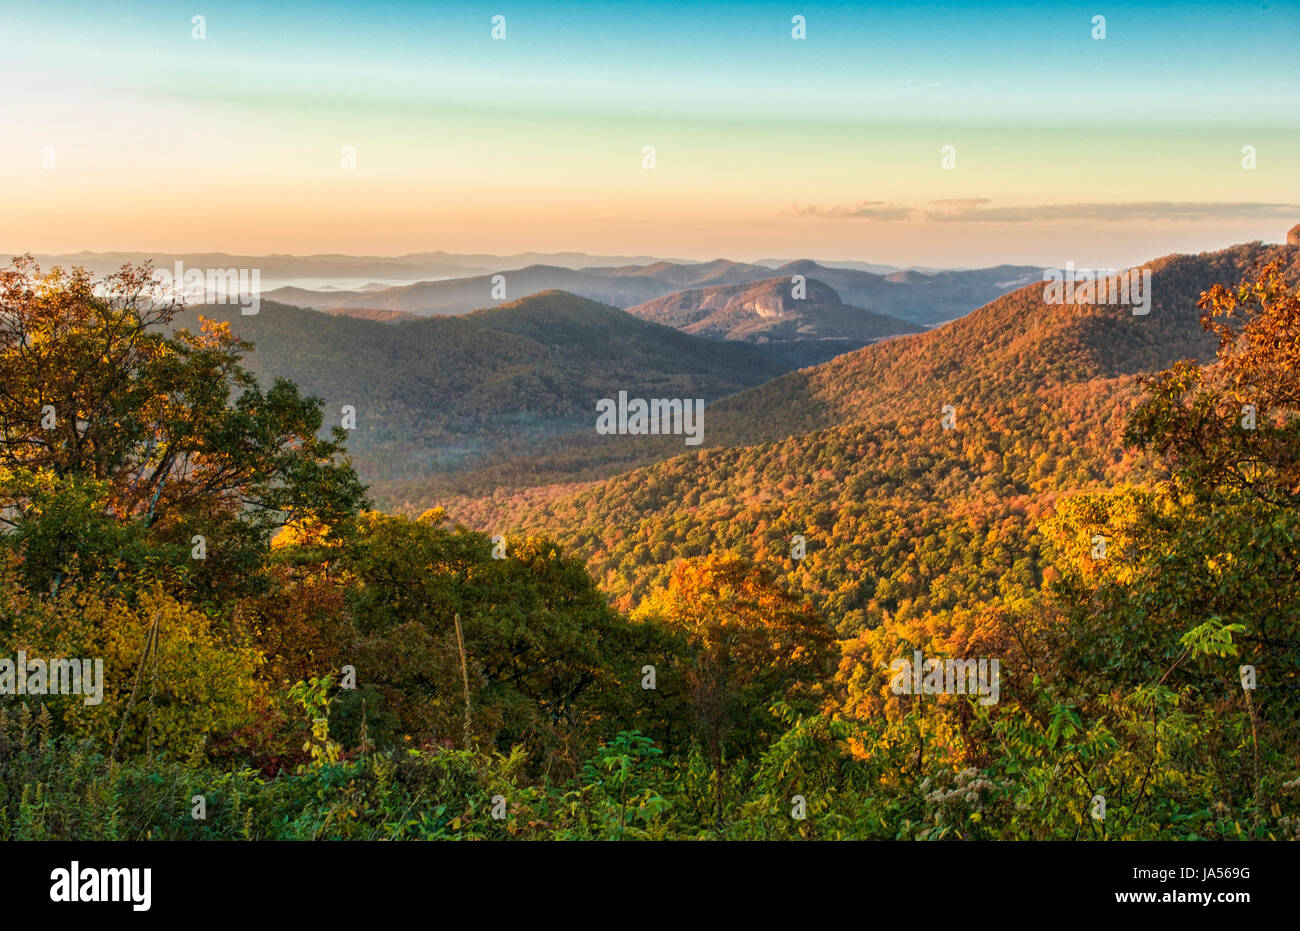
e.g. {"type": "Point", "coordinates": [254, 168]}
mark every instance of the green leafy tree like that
{"type": "Point", "coordinates": [103, 409]}
{"type": "Point", "coordinates": [548, 662]}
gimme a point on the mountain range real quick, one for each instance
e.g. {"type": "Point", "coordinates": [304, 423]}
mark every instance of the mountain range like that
{"type": "Point", "coordinates": [917, 298]}
{"type": "Point", "coordinates": [433, 393]}
{"type": "Point", "coordinates": [411, 266]}
{"type": "Point", "coordinates": [499, 401]}
{"type": "Point", "coordinates": [853, 455]}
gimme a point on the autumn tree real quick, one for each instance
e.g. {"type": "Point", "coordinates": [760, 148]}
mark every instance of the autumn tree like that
{"type": "Point", "coordinates": [750, 645]}
{"type": "Point", "coordinates": [1184, 596]}
{"type": "Point", "coordinates": [110, 419]}
{"type": "Point", "coordinates": [1233, 425]}
{"type": "Point", "coordinates": [1229, 435]}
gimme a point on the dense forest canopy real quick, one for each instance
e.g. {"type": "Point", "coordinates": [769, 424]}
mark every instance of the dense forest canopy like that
{"type": "Point", "coordinates": [1113, 520]}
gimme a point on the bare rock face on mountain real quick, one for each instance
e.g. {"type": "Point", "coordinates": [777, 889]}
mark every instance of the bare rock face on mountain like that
{"type": "Point", "coordinates": [806, 321]}
{"type": "Point", "coordinates": [1293, 236]}
{"type": "Point", "coordinates": [769, 310]}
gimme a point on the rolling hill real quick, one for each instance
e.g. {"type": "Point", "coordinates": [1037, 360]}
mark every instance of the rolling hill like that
{"type": "Point", "coordinates": [688, 274]}
{"type": "Point", "coordinates": [430, 394]}
{"type": "Point", "coordinates": [462, 295]}
{"type": "Point", "coordinates": [902, 517]}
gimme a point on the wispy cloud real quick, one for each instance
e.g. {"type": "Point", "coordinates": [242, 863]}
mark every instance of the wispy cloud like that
{"type": "Point", "coordinates": [973, 210]}
{"type": "Point", "coordinates": [862, 210]}
{"type": "Point", "coordinates": [978, 210]}
{"type": "Point", "coordinates": [961, 203]}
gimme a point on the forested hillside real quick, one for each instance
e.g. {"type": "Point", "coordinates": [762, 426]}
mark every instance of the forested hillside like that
{"type": "Point", "coordinates": [961, 540]}
{"type": "Point", "coordinates": [704, 647]}
{"type": "Point", "coordinates": [431, 394]}
{"type": "Point", "coordinates": [842, 451]}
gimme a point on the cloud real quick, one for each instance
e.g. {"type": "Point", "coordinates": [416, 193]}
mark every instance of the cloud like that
{"type": "Point", "coordinates": [971, 210]}
{"type": "Point", "coordinates": [976, 210]}
{"type": "Point", "coordinates": [862, 210]}
{"type": "Point", "coordinates": [962, 202]}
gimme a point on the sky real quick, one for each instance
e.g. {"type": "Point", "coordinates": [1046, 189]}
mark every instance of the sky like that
{"type": "Point", "coordinates": [125, 131]}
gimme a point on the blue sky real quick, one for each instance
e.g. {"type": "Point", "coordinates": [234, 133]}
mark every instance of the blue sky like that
{"type": "Point", "coordinates": [763, 142]}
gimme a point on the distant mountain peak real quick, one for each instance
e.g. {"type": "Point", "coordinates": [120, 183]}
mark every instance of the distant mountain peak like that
{"type": "Point", "coordinates": [806, 318]}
